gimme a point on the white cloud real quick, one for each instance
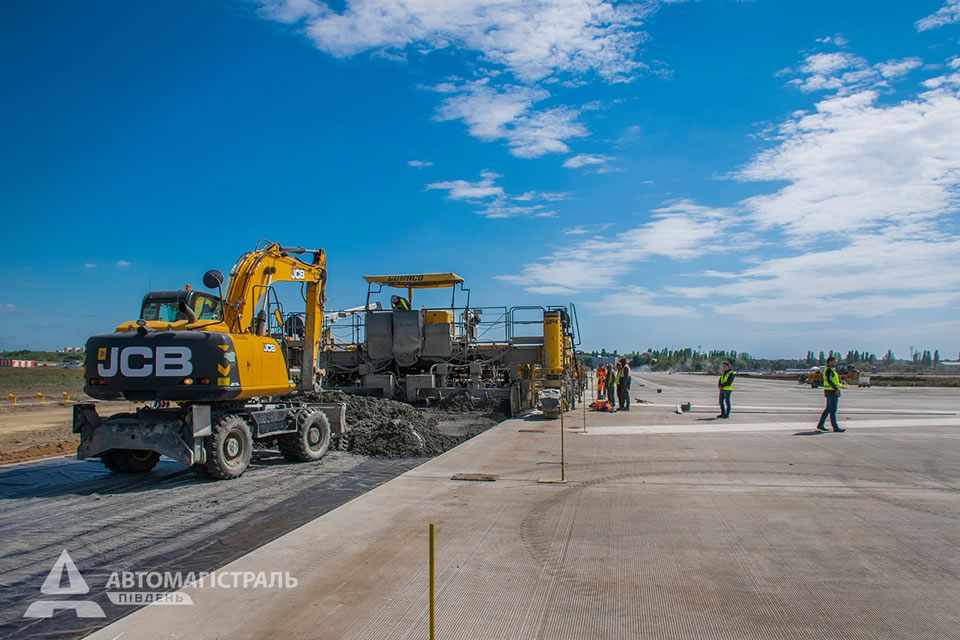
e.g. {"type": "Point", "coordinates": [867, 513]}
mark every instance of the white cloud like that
{"type": "Point", "coordinates": [487, 110]}
{"type": "Point", "coordinates": [830, 63]}
{"type": "Point", "coordinates": [896, 68]}
{"type": "Point", "coordinates": [515, 46]}
{"type": "Point", "coordinates": [495, 201]}
{"type": "Point", "coordinates": [846, 73]}
{"type": "Point", "coordinates": [871, 276]}
{"type": "Point", "coordinates": [556, 290]}
{"type": "Point", "coordinates": [533, 40]}
{"type": "Point", "coordinates": [546, 196]}
{"type": "Point", "coordinates": [639, 302]}
{"type": "Point", "coordinates": [6, 307]}
{"type": "Point", "coordinates": [419, 164]}
{"type": "Point", "coordinates": [571, 273]}
{"type": "Point", "coordinates": [591, 163]}
{"type": "Point", "coordinates": [838, 40]}
{"type": "Point", "coordinates": [501, 208]}
{"type": "Point", "coordinates": [949, 13]}
{"type": "Point", "coordinates": [505, 113]}
{"type": "Point", "coordinates": [855, 164]}
{"type": "Point", "coordinates": [464, 190]}
{"type": "Point", "coordinates": [582, 230]}
{"type": "Point", "coordinates": [680, 230]}
{"type": "Point", "coordinates": [876, 183]}
{"type": "Point", "coordinates": [123, 264]}
{"type": "Point", "coordinates": [89, 265]}
{"type": "Point", "coordinates": [585, 160]}
{"type": "Point", "coordinates": [289, 11]}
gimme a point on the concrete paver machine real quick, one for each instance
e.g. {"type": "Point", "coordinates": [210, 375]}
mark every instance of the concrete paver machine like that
{"type": "Point", "coordinates": [217, 372]}
{"type": "Point", "coordinates": [524, 355]}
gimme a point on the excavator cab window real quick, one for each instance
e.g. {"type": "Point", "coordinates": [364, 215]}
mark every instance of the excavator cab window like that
{"type": "Point", "coordinates": [157, 311]}
{"type": "Point", "coordinates": [206, 307]}
{"type": "Point", "coordinates": [164, 306]}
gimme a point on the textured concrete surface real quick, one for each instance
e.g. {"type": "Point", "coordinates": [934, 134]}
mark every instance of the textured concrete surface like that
{"type": "Point", "coordinates": [741, 528]}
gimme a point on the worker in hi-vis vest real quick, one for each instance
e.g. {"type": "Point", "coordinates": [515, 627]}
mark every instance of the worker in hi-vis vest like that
{"type": "Point", "coordinates": [399, 303]}
{"type": "Point", "coordinates": [831, 390]}
{"type": "Point", "coordinates": [725, 384]}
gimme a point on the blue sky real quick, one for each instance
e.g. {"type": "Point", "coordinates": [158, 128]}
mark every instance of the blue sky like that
{"type": "Point", "coordinates": [768, 176]}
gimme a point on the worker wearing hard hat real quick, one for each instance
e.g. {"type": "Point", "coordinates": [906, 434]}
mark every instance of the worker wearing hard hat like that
{"type": "Point", "coordinates": [399, 303]}
{"type": "Point", "coordinates": [831, 390]}
{"type": "Point", "coordinates": [725, 384]}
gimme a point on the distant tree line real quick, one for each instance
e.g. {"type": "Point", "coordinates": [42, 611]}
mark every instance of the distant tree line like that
{"type": "Point", "coordinates": [690, 359]}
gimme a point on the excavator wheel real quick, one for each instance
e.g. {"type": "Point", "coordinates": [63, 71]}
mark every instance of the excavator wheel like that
{"type": "Point", "coordinates": [229, 448]}
{"type": "Point", "coordinates": [311, 440]}
{"type": "Point", "coordinates": [130, 460]}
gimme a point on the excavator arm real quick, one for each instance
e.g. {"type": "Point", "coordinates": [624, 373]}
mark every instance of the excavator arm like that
{"type": "Point", "coordinates": [250, 280]}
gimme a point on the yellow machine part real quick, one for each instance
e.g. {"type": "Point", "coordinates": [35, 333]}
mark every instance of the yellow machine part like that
{"type": "Point", "coordinates": [438, 317]}
{"type": "Point", "coordinates": [552, 343]}
{"type": "Point", "coordinates": [417, 280]}
{"type": "Point", "coordinates": [260, 363]}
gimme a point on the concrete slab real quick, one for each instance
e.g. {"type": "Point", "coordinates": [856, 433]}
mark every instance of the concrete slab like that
{"type": "Point", "coordinates": [699, 532]}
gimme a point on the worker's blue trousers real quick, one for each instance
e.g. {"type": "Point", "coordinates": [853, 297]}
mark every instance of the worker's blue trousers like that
{"type": "Point", "coordinates": [830, 410]}
{"type": "Point", "coordinates": [725, 403]}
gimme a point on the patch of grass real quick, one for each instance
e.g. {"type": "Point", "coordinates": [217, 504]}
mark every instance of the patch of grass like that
{"type": "Point", "coordinates": [24, 382]}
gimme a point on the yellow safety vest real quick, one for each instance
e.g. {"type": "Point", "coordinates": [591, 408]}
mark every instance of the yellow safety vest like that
{"type": "Point", "coordinates": [724, 377]}
{"type": "Point", "coordinates": [831, 380]}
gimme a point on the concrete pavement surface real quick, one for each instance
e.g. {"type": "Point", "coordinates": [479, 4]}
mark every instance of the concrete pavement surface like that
{"type": "Point", "coordinates": [752, 527]}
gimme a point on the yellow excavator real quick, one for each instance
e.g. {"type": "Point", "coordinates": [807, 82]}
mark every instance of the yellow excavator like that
{"type": "Point", "coordinates": [219, 372]}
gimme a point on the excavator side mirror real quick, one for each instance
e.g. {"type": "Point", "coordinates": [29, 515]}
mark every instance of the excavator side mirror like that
{"type": "Point", "coordinates": [213, 279]}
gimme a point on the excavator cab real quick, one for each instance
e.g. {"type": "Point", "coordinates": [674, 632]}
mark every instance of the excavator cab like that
{"type": "Point", "coordinates": [166, 306]}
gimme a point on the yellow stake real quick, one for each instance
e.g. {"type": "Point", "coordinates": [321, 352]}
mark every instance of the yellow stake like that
{"type": "Point", "coordinates": [13, 398]}
{"type": "Point", "coordinates": [563, 476]}
{"type": "Point", "coordinates": [583, 401]}
{"type": "Point", "coordinates": [432, 586]}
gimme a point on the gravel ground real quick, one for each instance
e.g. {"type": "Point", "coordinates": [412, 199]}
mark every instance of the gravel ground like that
{"type": "Point", "coordinates": [172, 520]}
{"type": "Point", "coordinates": [165, 520]}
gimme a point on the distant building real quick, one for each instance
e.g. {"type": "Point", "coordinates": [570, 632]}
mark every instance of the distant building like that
{"type": "Point", "coordinates": [949, 366]}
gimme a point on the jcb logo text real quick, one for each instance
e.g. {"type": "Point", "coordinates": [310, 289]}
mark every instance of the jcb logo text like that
{"type": "Point", "coordinates": [138, 362]}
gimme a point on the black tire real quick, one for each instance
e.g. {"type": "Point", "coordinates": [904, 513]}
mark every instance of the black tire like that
{"type": "Point", "coordinates": [229, 448]}
{"type": "Point", "coordinates": [130, 460]}
{"type": "Point", "coordinates": [311, 440]}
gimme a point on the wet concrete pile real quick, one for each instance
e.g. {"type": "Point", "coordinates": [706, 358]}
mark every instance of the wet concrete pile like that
{"type": "Point", "coordinates": [466, 403]}
{"type": "Point", "coordinates": [388, 429]}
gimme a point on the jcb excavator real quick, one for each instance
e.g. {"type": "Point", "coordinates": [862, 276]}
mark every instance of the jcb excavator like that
{"type": "Point", "coordinates": [227, 364]}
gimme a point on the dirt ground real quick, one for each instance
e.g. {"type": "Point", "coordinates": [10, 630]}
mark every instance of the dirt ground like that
{"type": "Point", "coordinates": [33, 432]}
